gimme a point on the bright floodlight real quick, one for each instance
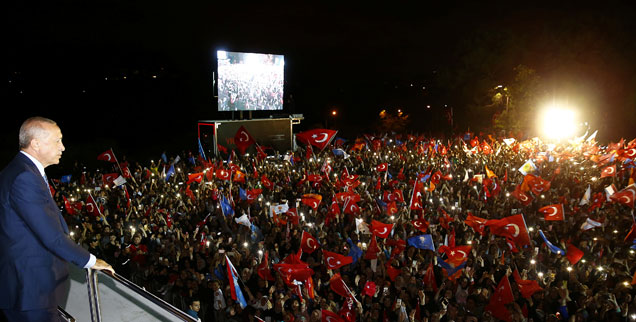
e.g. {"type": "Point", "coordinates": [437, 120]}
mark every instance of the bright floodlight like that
{"type": "Point", "coordinates": [558, 122]}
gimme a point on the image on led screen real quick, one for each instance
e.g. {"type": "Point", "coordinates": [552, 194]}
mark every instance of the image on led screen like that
{"type": "Point", "coordinates": [250, 82]}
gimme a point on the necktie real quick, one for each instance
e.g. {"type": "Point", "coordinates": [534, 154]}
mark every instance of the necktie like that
{"type": "Point", "coordinates": [46, 180]}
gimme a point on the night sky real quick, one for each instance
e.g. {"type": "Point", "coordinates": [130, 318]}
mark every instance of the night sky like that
{"type": "Point", "coordinates": [137, 75]}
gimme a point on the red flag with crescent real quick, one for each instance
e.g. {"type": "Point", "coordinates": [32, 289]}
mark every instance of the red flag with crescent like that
{"type": "Point", "coordinates": [266, 182]}
{"type": "Point", "coordinates": [553, 212]}
{"type": "Point", "coordinates": [328, 316]}
{"type": "Point", "coordinates": [335, 260]}
{"type": "Point", "coordinates": [338, 285]}
{"type": "Point", "coordinates": [477, 223]}
{"type": "Point", "coordinates": [381, 229]}
{"type": "Point", "coordinates": [312, 200]}
{"type": "Point", "coordinates": [308, 243]}
{"type": "Point", "coordinates": [382, 167]}
{"type": "Point", "coordinates": [243, 140]}
{"type": "Point", "coordinates": [319, 138]}
{"type": "Point", "coordinates": [420, 224]}
{"type": "Point", "coordinates": [223, 174]}
{"type": "Point", "coordinates": [625, 196]}
{"type": "Point", "coordinates": [263, 270]}
{"type": "Point", "coordinates": [107, 156]}
{"type": "Point", "coordinates": [608, 171]}
{"type": "Point", "coordinates": [511, 226]}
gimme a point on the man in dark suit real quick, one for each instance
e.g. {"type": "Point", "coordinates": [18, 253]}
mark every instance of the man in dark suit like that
{"type": "Point", "coordinates": [34, 240]}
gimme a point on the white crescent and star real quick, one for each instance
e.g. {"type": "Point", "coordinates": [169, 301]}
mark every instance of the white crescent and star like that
{"type": "Point", "coordinates": [329, 259]}
{"type": "Point", "coordinates": [244, 137]}
{"type": "Point", "coordinates": [309, 241]}
{"type": "Point", "coordinates": [631, 153]}
{"type": "Point", "coordinates": [384, 231]}
{"type": "Point", "coordinates": [523, 197]}
{"type": "Point", "coordinates": [323, 139]}
{"type": "Point", "coordinates": [609, 170]}
{"type": "Point", "coordinates": [550, 213]}
{"type": "Point", "coordinates": [463, 253]}
{"type": "Point", "coordinates": [108, 156]}
{"type": "Point", "coordinates": [516, 229]}
{"type": "Point", "coordinates": [627, 199]}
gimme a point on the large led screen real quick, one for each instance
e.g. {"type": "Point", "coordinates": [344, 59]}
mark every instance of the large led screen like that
{"type": "Point", "coordinates": [250, 82]}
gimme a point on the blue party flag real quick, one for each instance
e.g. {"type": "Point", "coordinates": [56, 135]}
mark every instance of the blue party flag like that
{"type": "Point", "coordinates": [226, 208]}
{"type": "Point", "coordinates": [355, 251]}
{"type": "Point", "coordinates": [551, 246]}
{"type": "Point", "coordinates": [66, 178]}
{"type": "Point", "coordinates": [422, 242]}
{"type": "Point", "coordinates": [170, 172]}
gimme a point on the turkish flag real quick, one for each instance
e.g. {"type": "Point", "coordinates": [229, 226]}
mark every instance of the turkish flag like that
{"type": "Point", "coordinates": [573, 254]}
{"type": "Point", "coordinates": [253, 194]}
{"type": "Point", "coordinates": [335, 260]}
{"type": "Point", "coordinates": [290, 272]}
{"type": "Point", "coordinates": [314, 178]}
{"type": "Point", "coordinates": [312, 200]}
{"type": "Point", "coordinates": [308, 243]}
{"type": "Point", "coordinates": [526, 287]}
{"type": "Point", "coordinates": [292, 216]}
{"type": "Point", "coordinates": [347, 197]}
{"type": "Point", "coordinates": [399, 197]}
{"type": "Point", "coordinates": [536, 184]}
{"type": "Point", "coordinates": [334, 209]}
{"type": "Point", "coordinates": [627, 153]}
{"type": "Point", "coordinates": [223, 174]}
{"type": "Point", "coordinates": [625, 196]}
{"type": "Point", "coordinates": [511, 226]}
{"type": "Point", "coordinates": [195, 177]}
{"type": "Point", "coordinates": [477, 223]}
{"type": "Point", "coordinates": [107, 156]}
{"type": "Point", "coordinates": [328, 316]}
{"type": "Point", "coordinates": [436, 177]}
{"type": "Point", "coordinates": [263, 270]}
{"type": "Point", "coordinates": [91, 206]}
{"type": "Point", "coordinates": [372, 250]}
{"type": "Point", "coordinates": [380, 229]}
{"type": "Point", "coordinates": [348, 311]}
{"type": "Point", "coordinates": [420, 224]}
{"type": "Point", "coordinates": [391, 208]}
{"type": "Point", "coordinates": [524, 198]}
{"type": "Point", "coordinates": [608, 171]}
{"type": "Point", "coordinates": [243, 140]}
{"type": "Point", "coordinates": [266, 183]}
{"type": "Point", "coordinates": [338, 285]}
{"type": "Point", "coordinates": [416, 201]}
{"type": "Point", "coordinates": [553, 212]}
{"type": "Point", "coordinates": [382, 167]}
{"type": "Point", "coordinates": [351, 208]}
{"type": "Point", "coordinates": [110, 177]}
{"type": "Point", "coordinates": [67, 206]}
{"type": "Point", "coordinates": [456, 255]}
{"type": "Point", "coordinates": [318, 137]}
{"type": "Point", "coordinates": [429, 277]}
{"type": "Point", "coordinates": [388, 196]}
{"type": "Point", "coordinates": [125, 171]}
{"type": "Point", "coordinates": [369, 288]}
{"type": "Point", "coordinates": [445, 219]}
{"type": "Point", "coordinates": [502, 296]}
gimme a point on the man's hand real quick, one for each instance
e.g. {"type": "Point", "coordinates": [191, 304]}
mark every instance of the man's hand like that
{"type": "Point", "coordinates": [102, 265]}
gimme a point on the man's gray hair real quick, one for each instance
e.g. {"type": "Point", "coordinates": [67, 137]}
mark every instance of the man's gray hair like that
{"type": "Point", "coordinates": [32, 128]}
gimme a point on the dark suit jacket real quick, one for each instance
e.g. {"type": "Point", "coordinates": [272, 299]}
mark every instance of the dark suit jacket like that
{"type": "Point", "coordinates": [34, 242]}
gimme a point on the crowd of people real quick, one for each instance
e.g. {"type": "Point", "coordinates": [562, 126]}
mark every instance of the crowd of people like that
{"type": "Point", "coordinates": [390, 228]}
{"type": "Point", "coordinates": [251, 82]}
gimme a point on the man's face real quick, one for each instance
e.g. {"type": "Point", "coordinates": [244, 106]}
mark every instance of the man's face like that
{"type": "Point", "coordinates": [49, 145]}
{"type": "Point", "coordinates": [195, 306]}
